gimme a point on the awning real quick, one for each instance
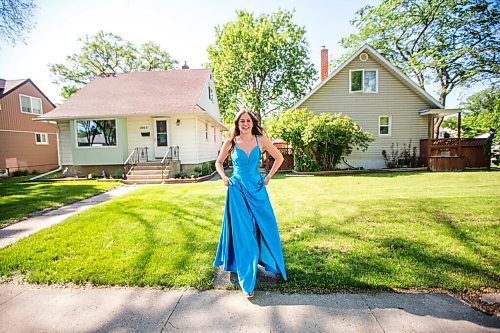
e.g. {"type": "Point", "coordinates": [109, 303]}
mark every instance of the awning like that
{"type": "Point", "coordinates": [439, 112]}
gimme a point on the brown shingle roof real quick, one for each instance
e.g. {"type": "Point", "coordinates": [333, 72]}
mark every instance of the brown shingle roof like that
{"type": "Point", "coordinates": [135, 94]}
{"type": "Point", "coordinates": [11, 84]}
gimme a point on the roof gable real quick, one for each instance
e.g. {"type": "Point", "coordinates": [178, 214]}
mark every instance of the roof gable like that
{"type": "Point", "coordinates": [11, 85]}
{"type": "Point", "coordinates": [387, 64]}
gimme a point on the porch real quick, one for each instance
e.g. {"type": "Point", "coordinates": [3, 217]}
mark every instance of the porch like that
{"type": "Point", "coordinates": [451, 154]}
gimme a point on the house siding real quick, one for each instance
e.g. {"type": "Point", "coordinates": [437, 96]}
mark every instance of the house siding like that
{"type": "Point", "coordinates": [65, 152]}
{"type": "Point", "coordinates": [207, 148]}
{"type": "Point", "coordinates": [212, 107]}
{"type": "Point", "coordinates": [136, 125]}
{"type": "Point", "coordinates": [18, 148]}
{"type": "Point", "coordinates": [394, 98]}
{"type": "Point", "coordinates": [185, 137]}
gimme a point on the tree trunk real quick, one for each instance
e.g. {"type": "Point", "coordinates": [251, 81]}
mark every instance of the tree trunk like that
{"type": "Point", "coordinates": [438, 120]}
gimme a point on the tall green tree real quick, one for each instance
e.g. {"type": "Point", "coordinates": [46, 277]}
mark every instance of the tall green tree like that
{"type": "Point", "coordinates": [260, 63]}
{"type": "Point", "coordinates": [451, 42]}
{"type": "Point", "coordinates": [107, 53]}
{"type": "Point", "coordinates": [16, 19]}
{"type": "Point", "coordinates": [481, 114]}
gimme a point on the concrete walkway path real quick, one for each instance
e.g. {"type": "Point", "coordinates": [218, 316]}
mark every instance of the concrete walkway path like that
{"type": "Point", "coordinates": [16, 231]}
{"type": "Point", "coordinates": [29, 308]}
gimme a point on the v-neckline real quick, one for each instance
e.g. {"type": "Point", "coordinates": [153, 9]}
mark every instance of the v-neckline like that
{"type": "Point", "coordinates": [244, 152]}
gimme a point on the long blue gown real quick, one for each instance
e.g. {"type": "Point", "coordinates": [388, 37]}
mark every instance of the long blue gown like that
{"type": "Point", "coordinates": [249, 234]}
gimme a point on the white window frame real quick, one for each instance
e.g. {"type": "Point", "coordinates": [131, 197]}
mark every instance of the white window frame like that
{"type": "Point", "coordinates": [31, 104]}
{"type": "Point", "coordinates": [210, 93]}
{"type": "Point", "coordinates": [389, 126]}
{"type": "Point", "coordinates": [206, 131]}
{"type": "Point", "coordinates": [75, 124]}
{"type": "Point", "coordinates": [362, 91]}
{"type": "Point", "coordinates": [44, 138]}
{"type": "Point", "coordinates": [215, 135]}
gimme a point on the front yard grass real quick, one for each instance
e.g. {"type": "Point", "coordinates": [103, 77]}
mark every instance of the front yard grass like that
{"type": "Point", "coordinates": [20, 198]}
{"type": "Point", "coordinates": [368, 232]}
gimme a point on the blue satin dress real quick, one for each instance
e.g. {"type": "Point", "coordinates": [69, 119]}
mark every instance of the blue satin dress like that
{"type": "Point", "coordinates": [249, 234]}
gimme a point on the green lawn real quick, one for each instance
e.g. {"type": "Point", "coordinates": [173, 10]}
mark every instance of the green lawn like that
{"type": "Point", "coordinates": [374, 231]}
{"type": "Point", "coordinates": [19, 198]}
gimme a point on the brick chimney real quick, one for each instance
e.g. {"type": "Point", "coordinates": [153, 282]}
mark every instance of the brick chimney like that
{"type": "Point", "coordinates": [324, 63]}
{"type": "Point", "coordinates": [185, 66]}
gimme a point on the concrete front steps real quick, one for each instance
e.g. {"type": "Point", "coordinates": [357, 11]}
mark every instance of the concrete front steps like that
{"type": "Point", "coordinates": [150, 173]}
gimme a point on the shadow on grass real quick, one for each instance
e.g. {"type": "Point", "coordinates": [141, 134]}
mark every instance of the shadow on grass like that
{"type": "Point", "coordinates": [385, 259]}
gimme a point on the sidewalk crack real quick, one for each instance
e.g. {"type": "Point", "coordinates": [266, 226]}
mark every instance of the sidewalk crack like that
{"type": "Point", "coordinates": [371, 312]}
{"type": "Point", "coordinates": [170, 315]}
{"type": "Point", "coordinates": [19, 293]}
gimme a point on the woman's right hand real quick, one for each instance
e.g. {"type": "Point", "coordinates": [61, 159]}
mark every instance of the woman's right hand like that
{"type": "Point", "coordinates": [226, 181]}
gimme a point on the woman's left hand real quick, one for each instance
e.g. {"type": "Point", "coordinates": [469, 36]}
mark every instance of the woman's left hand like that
{"type": "Point", "coordinates": [266, 180]}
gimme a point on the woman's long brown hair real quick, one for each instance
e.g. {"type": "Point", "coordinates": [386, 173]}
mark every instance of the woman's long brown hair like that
{"type": "Point", "coordinates": [235, 130]}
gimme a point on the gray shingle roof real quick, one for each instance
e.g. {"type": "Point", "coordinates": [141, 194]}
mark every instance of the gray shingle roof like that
{"type": "Point", "coordinates": [136, 94]}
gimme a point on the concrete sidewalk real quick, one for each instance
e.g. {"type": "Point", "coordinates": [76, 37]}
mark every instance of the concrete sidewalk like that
{"type": "Point", "coordinates": [28, 308]}
{"type": "Point", "coordinates": [16, 231]}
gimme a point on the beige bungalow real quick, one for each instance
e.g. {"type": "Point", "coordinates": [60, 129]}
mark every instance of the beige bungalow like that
{"type": "Point", "coordinates": [122, 120]}
{"type": "Point", "coordinates": [379, 98]}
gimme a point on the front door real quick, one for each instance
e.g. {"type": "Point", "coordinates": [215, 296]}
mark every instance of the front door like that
{"type": "Point", "coordinates": [161, 138]}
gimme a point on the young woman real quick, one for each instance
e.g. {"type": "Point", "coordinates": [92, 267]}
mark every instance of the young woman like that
{"type": "Point", "coordinates": [249, 234]}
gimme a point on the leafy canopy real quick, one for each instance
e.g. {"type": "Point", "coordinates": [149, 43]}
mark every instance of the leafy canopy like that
{"type": "Point", "coordinates": [260, 63]}
{"type": "Point", "coordinates": [482, 114]}
{"type": "Point", "coordinates": [16, 19]}
{"type": "Point", "coordinates": [319, 141]}
{"type": "Point", "coordinates": [108, 53]}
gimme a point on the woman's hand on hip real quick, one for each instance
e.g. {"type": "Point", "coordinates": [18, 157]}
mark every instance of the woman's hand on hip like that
{"type": "Point", "coordinates": [226, 181]}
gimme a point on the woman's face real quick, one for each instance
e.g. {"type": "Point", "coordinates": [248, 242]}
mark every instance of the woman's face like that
{"type": "Point", "coordinates": [245, 123]}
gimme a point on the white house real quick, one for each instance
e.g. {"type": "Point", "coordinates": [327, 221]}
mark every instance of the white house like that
{"type": "Point", "coordinates": [117, 117]}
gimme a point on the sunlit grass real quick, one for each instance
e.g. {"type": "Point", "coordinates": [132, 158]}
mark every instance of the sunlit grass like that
{"type": "Point", "coordinates": [19, 198]}
{"type": "Point", "coordinates": [377, 231]}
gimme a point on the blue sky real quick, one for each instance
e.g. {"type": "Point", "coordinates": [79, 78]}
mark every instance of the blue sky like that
{"type": "Point", "coordinates": [183, 28]}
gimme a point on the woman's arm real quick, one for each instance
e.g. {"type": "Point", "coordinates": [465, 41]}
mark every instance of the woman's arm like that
{"type": "Point", "coordinates": [275, 153]}
{"type": "Point", "coordinates": [220, 160]}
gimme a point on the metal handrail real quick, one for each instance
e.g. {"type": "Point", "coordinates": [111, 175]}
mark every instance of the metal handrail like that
{"type": "Point", "coordinates": [134, 158]}
{"type": "Point", "coordinates": [171, 155]}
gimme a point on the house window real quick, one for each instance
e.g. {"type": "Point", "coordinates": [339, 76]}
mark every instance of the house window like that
{"type": "Point", "coordinates": [384, 125]}
{"type": "Point", "coordinates": [215, 136]}
{"type": "Point", "coordinates": [30, 104]}
{"type": "Point", "coordinates": [210, 93]}
{"type": "Point", "coordinates": [206, 131]}
{"type": "Point", "coordinates": [96, 133]}
{"type": "Point", "coordinates": [363, 80]}
{"type": "Point", "coordinates": [42, 138]}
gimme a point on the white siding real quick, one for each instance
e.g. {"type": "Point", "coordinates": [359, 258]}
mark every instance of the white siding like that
{"type": "Point", "coordinates": [212, 107]}
{"type": "Point", "coordinates": [65, 152]}
{"type": "Point", "coordinates": [136, 125]}
{"type": "Point", "coordinates": [207, 148]}
{"type": "Point", "coordinates": [184, 136]}
{"type": "Point", "coordinates": [393, 99]}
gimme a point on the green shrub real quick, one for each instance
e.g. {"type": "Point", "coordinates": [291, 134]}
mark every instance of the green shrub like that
{"type": "Point", "coordinates": [197, 169]}
{"type": "Point", "coordinates": [181, 175]}
{"type": "Point", "coordinates": [319, 141]}
{"type": "Point", "coordinates": [20, 172]}
{"type": "Point", "coordinates": [119, 173]}
{"type": "Point", "coordinates": [34, 172]}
